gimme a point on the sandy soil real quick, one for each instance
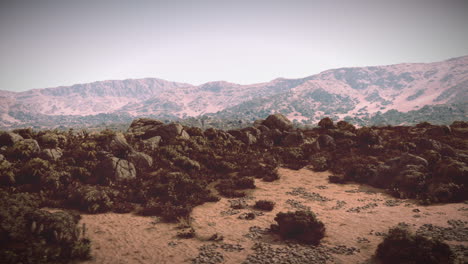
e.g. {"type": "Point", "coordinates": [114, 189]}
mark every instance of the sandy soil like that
{"type": "Point", "coordinates": [354, 216]}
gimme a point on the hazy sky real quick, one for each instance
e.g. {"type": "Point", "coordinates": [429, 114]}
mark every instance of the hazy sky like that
{"type": "Point", "coordinates": [52, 43]}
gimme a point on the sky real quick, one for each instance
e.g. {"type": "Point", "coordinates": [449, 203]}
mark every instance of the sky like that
{"type": "Point", "coordinates": [47, 43]}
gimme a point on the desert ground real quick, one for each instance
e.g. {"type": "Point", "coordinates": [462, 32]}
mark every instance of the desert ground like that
{"type": "Point", "coordinates": [356, 218]}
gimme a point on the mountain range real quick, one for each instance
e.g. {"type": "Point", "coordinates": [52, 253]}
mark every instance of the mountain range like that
{"type": "Point", "coordinates": [393, 94]}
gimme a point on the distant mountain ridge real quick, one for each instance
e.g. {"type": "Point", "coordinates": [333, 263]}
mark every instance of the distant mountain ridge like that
{"type": "Point", "coordinates": [358, 93]}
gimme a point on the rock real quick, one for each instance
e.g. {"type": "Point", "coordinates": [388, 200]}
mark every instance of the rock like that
{"type": "Point", "coordinates": [406, 159]}
{"type": "Point", "coordinates": [170, 131]}
{"type": "Point", "coordinates": [2, 157]}
{"type": "Point", "coordinates": [119, 145]}
{"type": "Point", "coordinates": [140, 160]}
{"type": "Point", "coordinates": [115, 169]}
{"type": "Point", "coordinates": [278, 121]}
{"type": "Point", "coordinates": [151, 144]}
{"type": "Point", "coordinates": [123, 169]}
{"type": "Point", "coordinates": [184, 135]}
{"type": "Point", "coordinates": [293, 139]}
{"type": "Point", "coordinates": [141, 125]}
{"type": "Point", "coordinates": [9, 138]}
{"type": "Point", "coordinates": [52, 154]}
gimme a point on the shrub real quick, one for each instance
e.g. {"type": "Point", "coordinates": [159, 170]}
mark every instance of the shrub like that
{"type": "Point", "coordinates": [265, 205]}
{"type": "Point", "coordinates": [186, 163]}
{"type": "Point", "coordinates": [401, 246]}
{"type": "Point", "coordinates": [301, 225]}
{"type": "Point", "coordinates": [90, 199]}
{"type": "Point", "coordinates": [244, 183]}
{"type": "Point", "coordinates": [31, 235]}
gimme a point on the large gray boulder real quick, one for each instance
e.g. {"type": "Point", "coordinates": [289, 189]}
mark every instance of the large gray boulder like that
{"type": "Point", "coordinates": [9, 138]}
{"type": "Point", "coordinates": [51, 154]}
{"type": "Point", "coordinates": [140, 160]}
{"type": "Point", "coordinates": [278, 121]}
{"type": "Point", "coordinates": [151, 144]}
{"type": "Point", "coordinates": [122, 169]}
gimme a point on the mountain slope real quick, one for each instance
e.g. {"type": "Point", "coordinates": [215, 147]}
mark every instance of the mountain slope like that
{"type": "Point", "coordinates": [346, 92]}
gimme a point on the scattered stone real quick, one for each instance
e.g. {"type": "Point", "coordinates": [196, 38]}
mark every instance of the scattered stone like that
{"type": "Point", "coordinates": [229, 212]}
{"type": "Point", "coordinates": [392, 203]}
{"type": "Point", "coordinates": [463, 209]}
{"type": "Point", "coordinates": [361, 208]}
{"type": "Point", "coordinates": [231, 247]}
{"type": "Point", "coordinates": [247, 216]}
{"type": "Point", "coordinates": [312, 196]}
{"type": "Point", "coordinates": [416, 210]}
{"type": "Point", "coordinates": [292, 253]}
{"type": "Point", "coordinates": [381, 234]}
{"type": "Point", "coordinates": [297, 205]}
{"type": "Point", "coordinates": [208, 255]}
{"type": "Point", "coordinates": [321, 187]}
{"type": "Point", "coordinates": [172, 243]}
{"type": "Point", "coordinates": [344, 250]}
{"type": "Point", "coordinates": [363, 240]}
{"type": "Point", "coordinates": [339, 205]}
{"type": "Point", "coordinates": [456, 232]}
{"type": "Point", "coordinates": [238, 203]}
{"type": "Point", "coordinates": [256, 232]}
{"type": "Point", "coordinates": [216, 237]}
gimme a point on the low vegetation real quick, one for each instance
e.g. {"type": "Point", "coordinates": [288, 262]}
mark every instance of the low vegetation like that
{"type": "Point", "coordinates": [155, 168]}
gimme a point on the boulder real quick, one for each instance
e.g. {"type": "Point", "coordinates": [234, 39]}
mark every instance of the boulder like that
{"type": "Point", "coordinates": [122, 169]}
{"type": "Point", "coordinates": [278, 121]}
{"type": "Point", "coordinates": [293, 139]}
{"type": "Point", "coordinates": [244, 136]}
{"type": "Point", "coordinates": [184, 135]}
{"type": "Point", "coordinates": [141, 125]}
{"type": "Point", "coordinates": [151, 144]}
{"type": "Point", "coordinates": [51, 154]}
{"type": "Point", "coordinates": [140, 160]}
{"type": "Point", "coordinates": [9, 138]}
{"type": "Point", "coordinates": [119, 145]}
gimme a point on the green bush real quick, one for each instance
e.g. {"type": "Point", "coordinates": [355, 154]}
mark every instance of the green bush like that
{"type": "Point", "coordinates": [301, 225]}
{"type": "Point", "coordinates": [401, 246]}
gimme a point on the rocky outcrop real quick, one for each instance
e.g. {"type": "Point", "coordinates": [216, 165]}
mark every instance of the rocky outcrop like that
{"type": "Point", "coordinates": [140, 126]}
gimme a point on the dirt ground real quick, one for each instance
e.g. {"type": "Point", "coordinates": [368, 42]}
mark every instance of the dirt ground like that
{"type": "Point", "coordinates": [355, 217]}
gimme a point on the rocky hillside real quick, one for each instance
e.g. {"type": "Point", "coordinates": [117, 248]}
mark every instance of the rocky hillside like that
{"type": "Point", "coordinates": [353, 94]}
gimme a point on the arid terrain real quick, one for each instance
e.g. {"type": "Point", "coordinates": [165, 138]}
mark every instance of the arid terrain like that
{"type": "Point", "coordinates": [356, 218]}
